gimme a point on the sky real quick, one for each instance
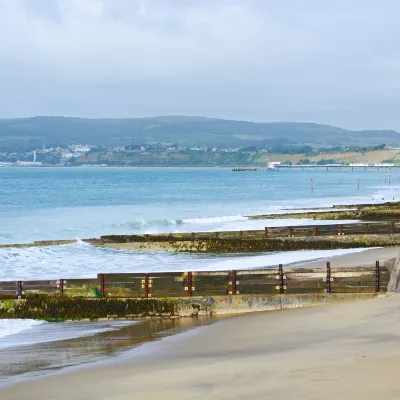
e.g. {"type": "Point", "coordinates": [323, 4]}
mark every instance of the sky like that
{"type": "Point", "coordinates": [333, 62]}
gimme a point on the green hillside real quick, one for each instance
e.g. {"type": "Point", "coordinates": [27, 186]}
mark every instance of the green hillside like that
{"type": "Point", "coordinates": [186, 131]}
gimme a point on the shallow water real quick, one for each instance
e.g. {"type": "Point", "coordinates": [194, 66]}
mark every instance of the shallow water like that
{"type": "Point", "coordinates": [62, 346]}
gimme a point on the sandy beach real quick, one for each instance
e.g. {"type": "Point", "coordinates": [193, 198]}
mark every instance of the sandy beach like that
{"type": "Point", "coordinates": [366, 258]}
{"type": "Point", "coordinates": [348, 350]}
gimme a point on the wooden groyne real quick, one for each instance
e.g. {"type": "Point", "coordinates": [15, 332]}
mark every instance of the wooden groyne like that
{"type": "Point", "coordinates": [269, 280]}
{"type": "Point", "coordinates": [133, 295]}
{"type": "Point", "coordinates": [286, 238]}
{"type": "Point", "coordinates": [305, 237]}
{"type": "Point", "coordinates": [365, 212]}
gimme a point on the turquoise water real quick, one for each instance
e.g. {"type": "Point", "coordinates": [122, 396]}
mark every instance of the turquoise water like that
{"type": "Point", "coordinates": [77, 203]}
{"type": "Point", "coordinates": [63, 203]}
{"type": "Point", "coordinates": [57, 203]}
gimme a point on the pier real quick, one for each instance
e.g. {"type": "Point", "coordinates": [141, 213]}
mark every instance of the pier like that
{"type": "Point", "coordinates": [321, 167]}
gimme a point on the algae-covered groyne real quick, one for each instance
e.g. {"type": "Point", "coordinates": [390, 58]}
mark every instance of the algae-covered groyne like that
{"type": "Point", "coordinates": [180, 294]}
{"type": "Point", "coordinates": [364, 212]}
{"type": "Point", "coordinates": [287, 238]}
{"type": "Point", "coordinates": [319, 237]}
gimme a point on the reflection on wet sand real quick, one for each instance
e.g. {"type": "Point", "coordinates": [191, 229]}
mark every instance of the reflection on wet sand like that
{"type": "Point", "coordinates": [29, 361]}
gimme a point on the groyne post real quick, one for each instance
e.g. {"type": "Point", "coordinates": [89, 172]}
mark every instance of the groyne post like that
{"type": "Point", "coordinates": [315, 230]}
{"type": "Point", "coordinates": [193, 236]}
{"type": "Point", "coordinates": [282, 286]}
{"type": "Point", "coordinates": [377, 277]}
{"type": "Point", "coordinates": [366, 228]}
{"type": "Point", "coordinates": [217, 235]}
{"type": "Point", "coordinates": [19, 289]}
{"type": "Point", "coordinates": [393, 228]}
{"type": "Point", "coordinates": [61, 288]}
{"type": "Point", "coordinates": [146, 285]}
{"type": "Point", "coordinates": [241, 235]}
{"type": "Point", "coordinates": [328, 277]}
{"type": "Point", "coordinates": [101, 280]}
{"type": "Point", "coordinates": [266, 233]}
{"type": "Point", "coordinates": [340, 230]}
{"type": "Point", "coordinates": [190, 284]}
{"type": "Point", "coordinates": [234, 277]}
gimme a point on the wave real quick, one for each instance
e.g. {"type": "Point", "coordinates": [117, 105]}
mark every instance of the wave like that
{"type": "Point", "coordinates": [132, 225]}
{"type": "Point", "coordinates": [211, 220]}
{"type": "Point", "coordinates": [15, 332]}
{"type": "Point", "coordinates": [13, 326]}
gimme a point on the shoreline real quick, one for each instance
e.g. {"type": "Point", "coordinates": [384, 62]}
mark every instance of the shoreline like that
{"type": "Point", "coordinates": [305, 354]}
{"type": "Point", "coordinates": [364, 258]}
{"type": "Point", "coordinates": [34, 361]}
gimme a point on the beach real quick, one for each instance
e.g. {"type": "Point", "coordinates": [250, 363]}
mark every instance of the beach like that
{"type": "Point", "coordinates": [345, 350]}
{"type": "Point", "coordinates": [365, 258]}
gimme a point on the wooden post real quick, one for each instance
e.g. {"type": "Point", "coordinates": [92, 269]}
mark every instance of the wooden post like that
{"type": "Point", "coordinates": [101, 279]}
{"type": "Point", "coordinates": [393, 228]}
{"type": "Point", "coordinates": [146, 285]}
{"type": "Point", "coordinates": [189, 283]}
{"type": "Point", "coordinates": [193, 236]}
{"type": "Point", "coordinates": [241, 235]}
{"type": "Point", "coordinates": [61, 288]}
{"type": "Point", "coordinates": [315, 230]}
{"type": "Point", "coordinates": [233, 277]}
{"type": "Point", "coordinates": [290, 232]}
{"type": "Point", "coordinates": [146, 237]}
{"type": "Point", "coordinates": [19, 290]}
{"type": "Point", "coordinates": [281, 280]}
{"type": "Point", "coordinates": [366, 228]}
{"type": "Point", "coordinates": [328, 277]}
{"type": "Point", "coordinates": [217, 235]}
{"type": "Point", "coordinates": [265, 233]}
{"type": "Point", "coordinates": [377, 277]}
{"type": "Point", "coordinates": [340, 230]}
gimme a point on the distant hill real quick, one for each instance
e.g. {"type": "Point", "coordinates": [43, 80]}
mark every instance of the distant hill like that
{"type": "Point", "coordinates": [189, 131]}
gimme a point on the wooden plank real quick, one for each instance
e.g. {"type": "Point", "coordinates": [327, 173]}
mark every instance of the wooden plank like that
{"type": "Point", "coordinates": [258, 281]}
{"type": "Point", "coordinates": [124, 285]}
{"type": "Point", "coordinates": [170, 284]}
{"type": "Point", "coordinates": [211, 283]}
{"type": "Point", "coordinates": [81, 287]}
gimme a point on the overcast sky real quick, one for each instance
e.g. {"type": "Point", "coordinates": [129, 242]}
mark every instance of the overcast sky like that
{"type": "Point", "coordinates": [335, 62]}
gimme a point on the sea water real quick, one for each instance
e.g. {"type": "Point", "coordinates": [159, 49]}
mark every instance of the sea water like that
{"type": "Point", "coordinates": [73, 203]}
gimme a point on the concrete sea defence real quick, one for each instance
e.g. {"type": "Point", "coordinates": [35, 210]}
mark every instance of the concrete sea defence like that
{"type": "Point", "coordinates": [52, 309]}
{"type": "Point", "coordinates": [182, 294]}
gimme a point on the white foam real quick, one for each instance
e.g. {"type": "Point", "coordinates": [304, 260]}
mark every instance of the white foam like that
{"type": "Point", "coordinates": [211, 220]}
{"type": "Point", "coordinates": [10, 327]}
{"type": "Point", "coordinates": [86, 261]}
{"type": "Point", "coordinates": [17, 331]}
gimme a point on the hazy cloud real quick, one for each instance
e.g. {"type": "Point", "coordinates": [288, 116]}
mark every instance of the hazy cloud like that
{"type": "Point", "coordinates": [310, 60]}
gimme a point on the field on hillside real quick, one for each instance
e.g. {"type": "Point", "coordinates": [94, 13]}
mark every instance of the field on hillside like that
{"type": "Point", "coordinates": [371, 157]}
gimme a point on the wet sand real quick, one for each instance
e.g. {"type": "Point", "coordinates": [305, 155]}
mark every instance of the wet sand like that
{"type": "Point", "coordinates": [19, 361]}
{"type": "Point", "coordinates": [366, 258]}
{"type": "Point", "coordinates": [348, 351]}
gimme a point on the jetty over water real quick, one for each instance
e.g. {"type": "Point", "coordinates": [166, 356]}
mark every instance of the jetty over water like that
{"type": "Point", "coordinates": [352, 167]}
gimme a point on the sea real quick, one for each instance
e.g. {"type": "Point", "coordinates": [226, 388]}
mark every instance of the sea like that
{"type": "Point", "coordinates": [79, 203]}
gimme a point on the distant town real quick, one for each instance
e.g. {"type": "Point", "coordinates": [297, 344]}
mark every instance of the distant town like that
{"type": "Point", "coordinates": [80, 155]}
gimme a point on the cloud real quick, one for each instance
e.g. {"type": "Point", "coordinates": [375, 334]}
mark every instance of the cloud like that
{"type": "Point", "coordinates": [333, 62]}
